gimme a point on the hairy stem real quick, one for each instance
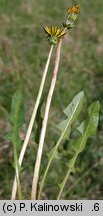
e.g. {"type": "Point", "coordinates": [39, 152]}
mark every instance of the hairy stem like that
{"type": "Point", "coordinates": [44, 125]}
{"type": "Point", "coordinates": [22, 153]}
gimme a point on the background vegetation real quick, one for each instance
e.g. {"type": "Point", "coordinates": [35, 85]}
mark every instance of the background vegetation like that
{"type": "Point", "coordinates": [23, 52]}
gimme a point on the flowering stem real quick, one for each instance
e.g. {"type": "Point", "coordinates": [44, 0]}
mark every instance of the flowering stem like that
{"type": "Point", "coordinates": [44, 124]}
{"type": "Point", "coordinates": [14, 189]}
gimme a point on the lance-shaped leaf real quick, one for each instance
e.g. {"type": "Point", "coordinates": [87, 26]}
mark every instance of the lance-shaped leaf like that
{"type": "Point", "coordinates": [17, 109]}
{"type": "Point", "coordinates": [16, 119]}
{"type": "Point", "coordinates": [72, 111]}
{"type": "Point", "coordinates": [89, 126]}
{"type": "Point", "coordinates": [87, 129]}
{"type": "Point", "coordinates": [62, 125]}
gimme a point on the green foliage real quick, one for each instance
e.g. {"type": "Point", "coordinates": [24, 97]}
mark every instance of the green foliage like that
{"type": "Point", "coordinates": [17, 120]}
{"type": "Point", "coordinates": [17, 109]}
{"type": "Point", "coordinates": [87, 129]}
{"type": "Point", "coordinates": [89, 126]}
{"type": "Point", "coordinates": [22, 58]}
{"type": "Point", "coordinates": [72, 111]}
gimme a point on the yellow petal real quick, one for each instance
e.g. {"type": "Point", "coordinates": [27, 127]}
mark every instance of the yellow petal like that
{"type": "Point", "coordinates": [57, 32]}
{"type": "Point", "coordinates": [74, 9]}
{"type": "Point", "coordinates": [56, 28]}
{"type": "Point", "coordinates": [52, 30]}
{"type": "Point", "coordinates": [48, 30]}
{"type": "Point", "coordinates": [62, 33]}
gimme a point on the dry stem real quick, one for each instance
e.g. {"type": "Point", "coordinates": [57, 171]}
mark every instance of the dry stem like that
{"type": "Point", "coordinates": [44, 125]}
{"type": "Point", "coordinates": [14, 189]}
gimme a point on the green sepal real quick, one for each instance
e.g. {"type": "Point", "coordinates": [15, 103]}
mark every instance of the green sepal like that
{"type": "Point", "coordinates": [53, 40]}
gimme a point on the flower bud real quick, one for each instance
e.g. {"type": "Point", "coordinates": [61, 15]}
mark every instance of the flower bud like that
{"type": "Point", "coordinates": [68, 24]}
{"type": "Point", "coordinates": [53, 40]}
{"type": "Point", "coordinates": [72, 16]}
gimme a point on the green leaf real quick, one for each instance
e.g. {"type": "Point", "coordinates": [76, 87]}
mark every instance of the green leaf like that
{"type": "Point", "coordinates": [75, 106]}
{"type": "Point", "coordinates": [62, 125]}
{"type": "Point", "coordinates": [87, 129]}
{"type": "Point", "coordinates": [93, 111]}
{"type": "Point", "coordinates": [89, 126]}
{"type": "Point", "coordinates": [17, 109]}
{"type": "Point", "coordinates": [14, 138]}
{"type": "Point", "coordinates": [51, 152]}
{"type": "Point", "coordinates": [72, 111]}
{"type": "Point", "coordinates": [9, 136]}
{"type": "Point", "coordinates": [17, 166]}
{"type": "Point", "coordinates": [16, 119]}
{"type": "Point", "coordinates": [60, 186]}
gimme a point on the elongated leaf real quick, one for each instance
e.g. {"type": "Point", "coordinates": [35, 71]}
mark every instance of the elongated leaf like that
{"type": "Point", "coordinates": [82, 127]}
{"type": "Point", "coordinates": [51, 152]}
{"type": "Point", "coordinates": [89, 126]}
{"type": "Point", "coordinates": [17, 109]}
{"type": "Point", "coordinates": [87, 129]}
{"type": "Point", "coordinates": [93, 111]}
{"type": "Point", "coordinates": [62, 127]}
{"type": "Point", "coordinates": [72, 112]}
{"type": "Point", "coordinates": [75, 106]}
{"type": "Point", "coordinates": [17, 119]}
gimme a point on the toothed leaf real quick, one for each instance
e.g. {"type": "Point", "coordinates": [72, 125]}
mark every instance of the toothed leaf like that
{"type": "Point", "coordinates": [74, 108]}
{"type": "Point", "coordinates": [72, 111]}
{"type": "Point", "coordinates": [62, 127]}
{"type": "Point", "coordinates": [49, 155]}
{"type": "Point", "coordinates": [87, 129]}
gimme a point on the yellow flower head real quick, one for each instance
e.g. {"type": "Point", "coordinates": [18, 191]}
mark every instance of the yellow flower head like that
{"type": "Point", "coordinates": [72, 16]}
{"type": "Point", "coordinates": [74, 9]}
{"type": "Point", "coordinates": [54, 31]}
{"type": "Point", "coordinates": [54, 34]}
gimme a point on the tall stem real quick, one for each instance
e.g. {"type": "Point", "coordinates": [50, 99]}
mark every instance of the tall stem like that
{"type": "Point", "coordinates": [44, 125]}
{"type": "Point", "coordinates": [22, 153]}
